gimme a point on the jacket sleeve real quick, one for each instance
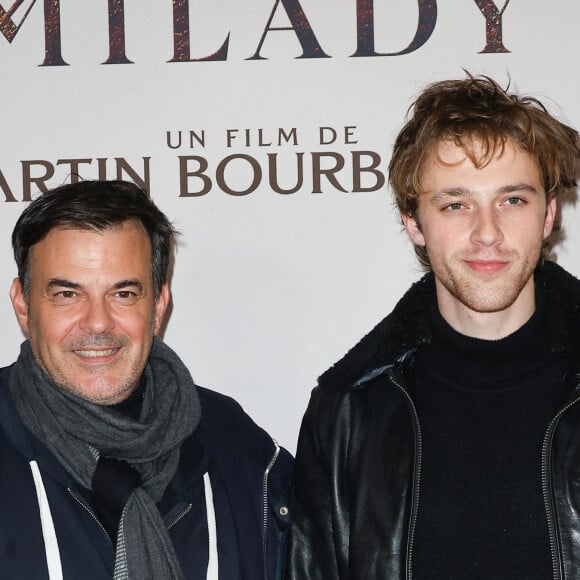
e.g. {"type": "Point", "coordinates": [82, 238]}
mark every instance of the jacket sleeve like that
{"type": "Point", "coordinates": [317, 537]}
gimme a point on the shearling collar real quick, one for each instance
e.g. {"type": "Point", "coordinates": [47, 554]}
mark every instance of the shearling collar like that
{"type": "Point", "coordinates": [407, 328]}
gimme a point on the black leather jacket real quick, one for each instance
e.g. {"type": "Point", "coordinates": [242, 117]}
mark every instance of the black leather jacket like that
{"type": "Point", "coordinates": [357, 480]}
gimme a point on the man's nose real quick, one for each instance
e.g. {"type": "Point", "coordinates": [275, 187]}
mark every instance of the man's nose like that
{"type": "Point", "coordinates": [487, 228]}
{"type": "Point", "coordinates": [97, 316]}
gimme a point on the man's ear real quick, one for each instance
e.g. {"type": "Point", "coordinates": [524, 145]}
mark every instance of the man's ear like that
{"type": "Point", "coordinates": [161, 305]}
{"type": "Point", "coordinates": [551, 211]}
{"type": "Point", "coordinates": [19, 304]}
{"type": "Point", "coordinates": [413, 229]}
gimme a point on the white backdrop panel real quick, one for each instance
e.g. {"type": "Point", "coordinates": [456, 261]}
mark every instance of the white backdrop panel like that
{"type": "Point", "coordinates": [269, 289]}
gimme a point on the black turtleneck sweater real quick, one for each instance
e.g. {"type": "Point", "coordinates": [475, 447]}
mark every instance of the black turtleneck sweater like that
{"type": "Point", "coordinates": [484, 407]}
{"type": "Point", "coordinates": [113, 481]}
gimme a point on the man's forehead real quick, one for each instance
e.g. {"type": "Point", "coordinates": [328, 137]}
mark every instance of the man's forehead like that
{"type": "Point", "coordinates": [68, 246]}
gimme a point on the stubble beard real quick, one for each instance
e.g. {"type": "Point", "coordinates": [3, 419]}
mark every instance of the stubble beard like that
{"type": "Point", "coordinates": [485, 294]}
{"type": "Point", "coordinates": [94, 386]}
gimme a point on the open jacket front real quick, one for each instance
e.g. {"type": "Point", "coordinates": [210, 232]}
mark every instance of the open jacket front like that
{"type": "Point", "coordinates": [357, 481]}
{"type": "Point", "coordinates": [222, 507]}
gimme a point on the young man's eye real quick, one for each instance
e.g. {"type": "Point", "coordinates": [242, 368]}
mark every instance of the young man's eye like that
{"type": "Point", "coordinates": [515, 201]}
{"type": "Point", "coordinates": [454, 206]}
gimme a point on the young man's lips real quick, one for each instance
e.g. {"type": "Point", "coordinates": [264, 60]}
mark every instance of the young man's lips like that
{"type": "Point", "coordinates": [487, 266]}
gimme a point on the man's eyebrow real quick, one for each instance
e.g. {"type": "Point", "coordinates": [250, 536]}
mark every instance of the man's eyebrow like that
{"type": "Point", "coordinates": [62, 283]}
{"type": "Point", "coordinates": [129, 282]}
{"type": "Point", "coordinates": [453, 192]}
{"type": "Point", "coordinates": [517, 187]}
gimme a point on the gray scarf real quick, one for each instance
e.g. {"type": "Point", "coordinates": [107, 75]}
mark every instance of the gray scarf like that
{"type": "Point", "coordinates": [77, 432]}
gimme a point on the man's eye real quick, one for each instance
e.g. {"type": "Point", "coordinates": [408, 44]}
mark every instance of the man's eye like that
{"type": "Point", "coordinates": [65, 296]}
{"type": "Point", "coordinates": [126, 296]}
{"type": "Point", "coordinates": [454, 206]}
{"type": "Point", "coordinates": [515, 201]}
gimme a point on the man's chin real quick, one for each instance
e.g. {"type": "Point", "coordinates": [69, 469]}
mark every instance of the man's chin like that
{"type": "Point", "coordinates": [100, 392]}
{"type": "Point", "coordinates": [486, 304]}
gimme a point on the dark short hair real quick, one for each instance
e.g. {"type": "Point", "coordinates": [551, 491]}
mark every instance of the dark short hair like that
{"type": "Point", "coordinates": [94, 205]}
{"type": "Point", "coordinates": [475, 111]}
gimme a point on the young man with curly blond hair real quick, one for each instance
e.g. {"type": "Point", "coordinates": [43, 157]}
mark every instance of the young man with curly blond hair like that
{"type": "Point", "coordinates": [446, 443]}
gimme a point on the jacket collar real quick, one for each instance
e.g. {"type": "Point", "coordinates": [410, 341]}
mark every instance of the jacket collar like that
{"type": "Point", "coordinates": [399, 335]}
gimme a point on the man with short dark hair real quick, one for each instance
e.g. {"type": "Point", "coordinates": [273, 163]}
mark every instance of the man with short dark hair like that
{"type": "Point", "coordinates": [113, 464]}
{"type": "Point", "coordinates": [446, 443]}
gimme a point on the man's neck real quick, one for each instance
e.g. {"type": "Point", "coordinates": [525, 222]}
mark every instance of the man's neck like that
{"type": "Point", "coordinates": [486, 325]}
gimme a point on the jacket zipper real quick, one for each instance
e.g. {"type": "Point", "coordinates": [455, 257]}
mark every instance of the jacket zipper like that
{"type": "Point", "coordinates": [90, 512]}
{"type": "Point", "coordinates": [545, 486]}
{"type": "Point", "coordinates": [185, 511]}
{"type": "Point", "coordinates": [417, 478]}
{"type": "Point", "coordinates": [265, 506]}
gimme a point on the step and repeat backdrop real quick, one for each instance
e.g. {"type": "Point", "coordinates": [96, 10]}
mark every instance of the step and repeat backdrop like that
{"type": "Point", "coordinates": [263, 129]}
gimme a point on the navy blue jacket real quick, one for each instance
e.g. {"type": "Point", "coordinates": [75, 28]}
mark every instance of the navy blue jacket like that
{"type": "Point", "coordinates": [231, 480]}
